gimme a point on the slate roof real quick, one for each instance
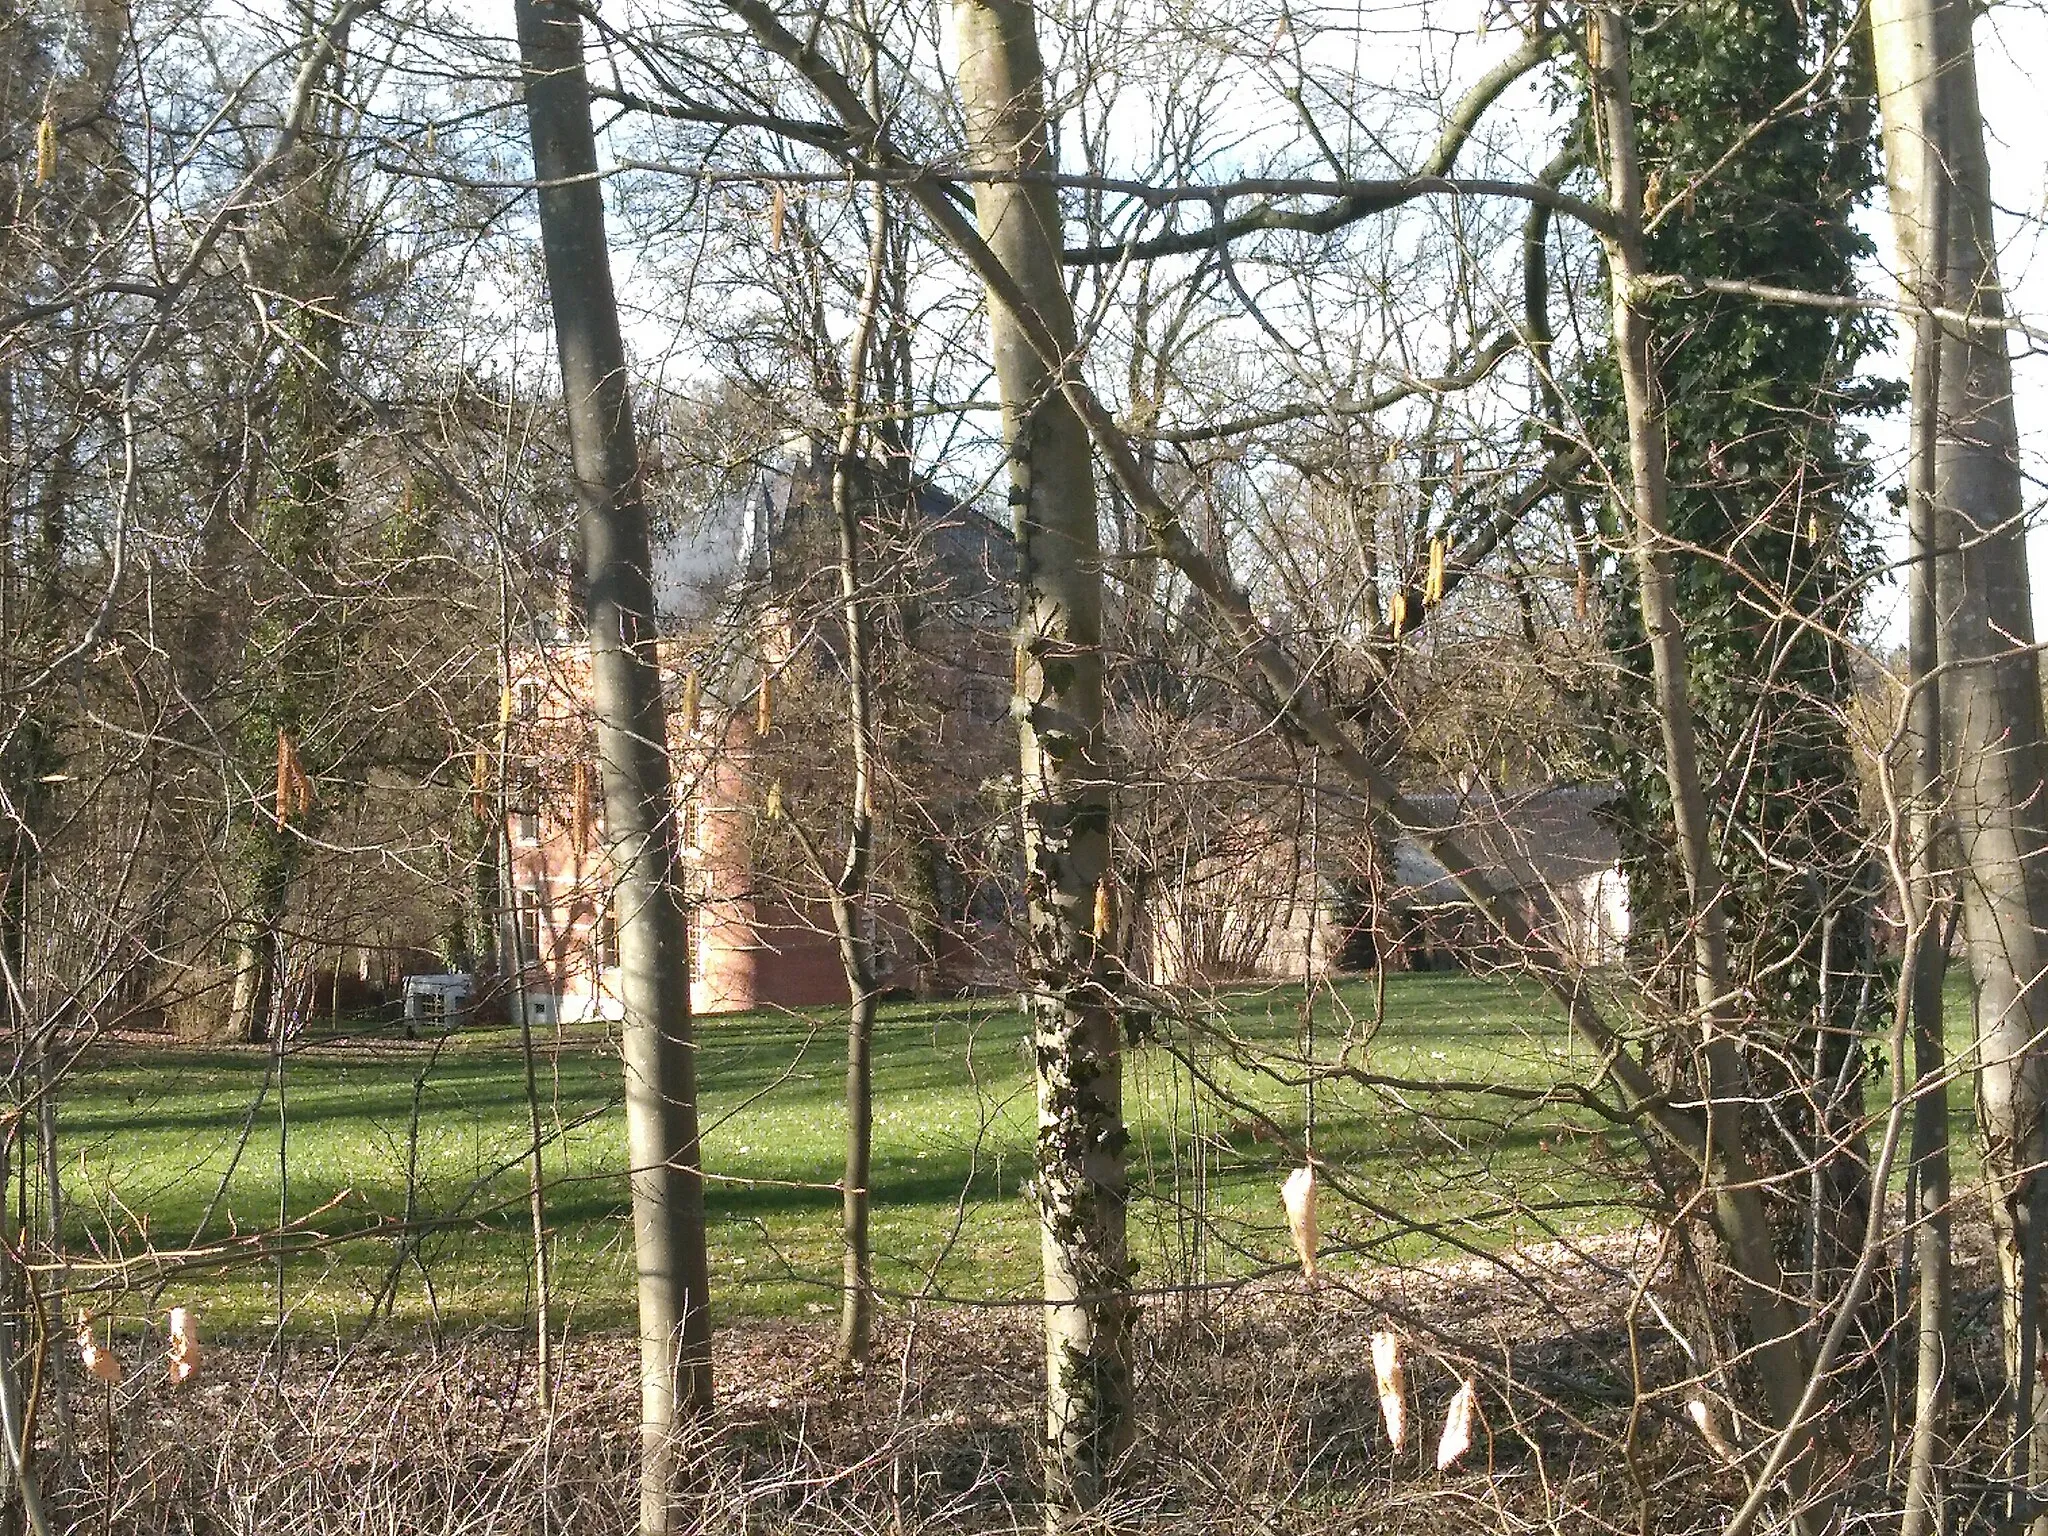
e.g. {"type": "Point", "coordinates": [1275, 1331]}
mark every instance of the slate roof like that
{"type": "Point", "coordinates": [1541, 838]}
{"type": "Point", "coordinates": [723, 570]}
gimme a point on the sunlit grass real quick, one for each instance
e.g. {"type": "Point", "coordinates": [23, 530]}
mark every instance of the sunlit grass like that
{"type": "Point", "coordinates": [149, 1137]}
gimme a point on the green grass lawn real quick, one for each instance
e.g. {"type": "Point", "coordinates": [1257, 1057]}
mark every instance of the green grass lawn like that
{"type": "Point", "coordinates": [150, 1139]}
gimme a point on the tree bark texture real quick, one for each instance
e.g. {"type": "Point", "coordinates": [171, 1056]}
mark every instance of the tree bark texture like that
{"type": "Point", "coordinates": [1939, 183]}
{"type": "Point", "coordinates": [1777, 1333]}
{"type": "Point", "coordinates": [632, 730]}
{"type": "Point", "coordinates": [1081, 1178]}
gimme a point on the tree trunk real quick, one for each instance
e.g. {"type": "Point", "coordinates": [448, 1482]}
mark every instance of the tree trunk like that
{"type": "Point", "coordinates": [849, 891]}
{"type": "Point", "coordinates": [1926, 908]}
{"type": "Point", "coordinates": [1781, 1352]}
{"type": "Point", "coordinates": [632, 730]}
{"type": "Point", "coordinates": [1081, 1176]}
{"type": "Point", "coordinates": [266, 856]}
{"type": "Point", "coordinates": [1991, 688]}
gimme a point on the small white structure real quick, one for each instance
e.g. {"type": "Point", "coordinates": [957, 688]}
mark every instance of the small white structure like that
{"type": "Point", "coordinates": [445, 999]}
{"type": "Point", "coordinates": [544, 1008]}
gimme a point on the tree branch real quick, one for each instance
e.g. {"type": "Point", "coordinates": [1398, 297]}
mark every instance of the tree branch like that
{"type": "Point", "coordinates": [1345, 404]}
{"type": "Point", "coordinates": [1358, 200]}
{"type": "Point", "coordinates": [1977, 323]}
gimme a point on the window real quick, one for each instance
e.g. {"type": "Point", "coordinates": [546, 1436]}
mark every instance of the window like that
{"type": "Point", "coordinates": [608, 940]}
{"type": "Point", "coordinates": [700, 942]}
{"type": "Point", "coordinates": [529, 701]}
{"type": "Point", "coordinates": [526, 926]}
{"type": "Point", "coordinates": [524, 791]}
{"type": "Point", "coordinates": [690, 823]}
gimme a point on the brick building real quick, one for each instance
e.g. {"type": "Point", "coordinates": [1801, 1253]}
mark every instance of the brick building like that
{"type": "Point", "coordinates": [740, 596]}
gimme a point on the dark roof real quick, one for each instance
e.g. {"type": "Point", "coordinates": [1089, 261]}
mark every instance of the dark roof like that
{"type": "Point", "coordinates": [1535, 838]}
{"type": "Point", "coordinates": [724, 569]}
{"type": "Point", "coordinates": [727, 553]}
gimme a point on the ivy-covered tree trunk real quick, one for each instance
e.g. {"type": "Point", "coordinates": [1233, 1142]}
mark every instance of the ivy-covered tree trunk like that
{"type": "Point", "coordinates": [308, 256]}
{"type": "Point", "coordinates": [1080, 1174]}
{"type": "Point", "coordinates": [1783, 1356]}
{"type": "Point", "coordinates": [1768, 553]}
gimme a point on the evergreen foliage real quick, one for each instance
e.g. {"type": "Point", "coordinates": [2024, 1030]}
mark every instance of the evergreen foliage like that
{"type": "Point", "coordinates": [1768, 490]}
{"type": "Point", "coordinates": [1768, 509]}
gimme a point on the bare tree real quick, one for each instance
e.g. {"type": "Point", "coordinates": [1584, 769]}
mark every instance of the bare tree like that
{"type": "Point", "coordinates": [1990, 688]}
{"type": "Point", "coordinates": [1080, 1175]}
{"type": "Point", "coordinates": [632, 728]}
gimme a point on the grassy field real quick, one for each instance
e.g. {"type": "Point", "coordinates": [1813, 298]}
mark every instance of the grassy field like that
{"type": "Point", "coordinates": [377, 1128]}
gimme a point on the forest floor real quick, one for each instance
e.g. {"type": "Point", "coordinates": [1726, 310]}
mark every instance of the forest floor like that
{"type": "Point", "coordinates": [1258, 1413]}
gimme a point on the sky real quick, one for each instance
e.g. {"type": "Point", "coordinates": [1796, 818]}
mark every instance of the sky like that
{"type": "Point", "coordinates": [1425, 51]}
{"type": "Point", "coordinates": [2012, 69]}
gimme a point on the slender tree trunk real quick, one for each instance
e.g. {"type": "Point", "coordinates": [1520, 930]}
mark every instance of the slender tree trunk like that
{"type": "Point", "coordinates": [536, 1166]}
{"type": "Point", "coordinates": [19, 1478]}
{"type": "Point", "coordinates": [849, 891]}
{"type": "Point", "coordinates": [1782, 1355]}
{"type": "Point", "coordinates": [1991, 683]}
{"type": "Point", "coordinates": [1081, 1175]}
{"type": "Point", "coordinates": [1926, 909]}
{"type": "Point", "coordinates": [632, 730]}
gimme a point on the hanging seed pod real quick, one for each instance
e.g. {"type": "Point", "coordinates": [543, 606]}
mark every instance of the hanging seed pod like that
{"type": "Point", "coordinates": [693, 695]}
{"type": "Point", "coordinates": [764, 705]}
{"type": "Point", "coordinates": [1105, 908]}
{"type": "Point", "coordinates": [287, 786]}
{"type": "Point", "coordinates": [579, 804]}
{"type": "Point", "coordinates": [773, 810]}
{"type": "Point", "coordinates": [46, 148]}
{"type": "Point", "coordinates": [100, 1363]}
{"type": "Point", "coordinates": [185, 1351]}
{"type": "Point", "coordinates": [1433, 584]}
{"type": "Point", "coordinates": [1398, 615]}
{"type": "Point", "coordinates": [302, 788]}
{"type": "Point", "coordinates": [1391, 1376]}
{"type": "Point", "coordinates": [1702, 1415]}
{"type": "Point", "coordinates": [1457, 1436]}
{"type": "Point", "coordinates": [778, 209]}
{"type": "Point", "coordinates": [1298, 1194]}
